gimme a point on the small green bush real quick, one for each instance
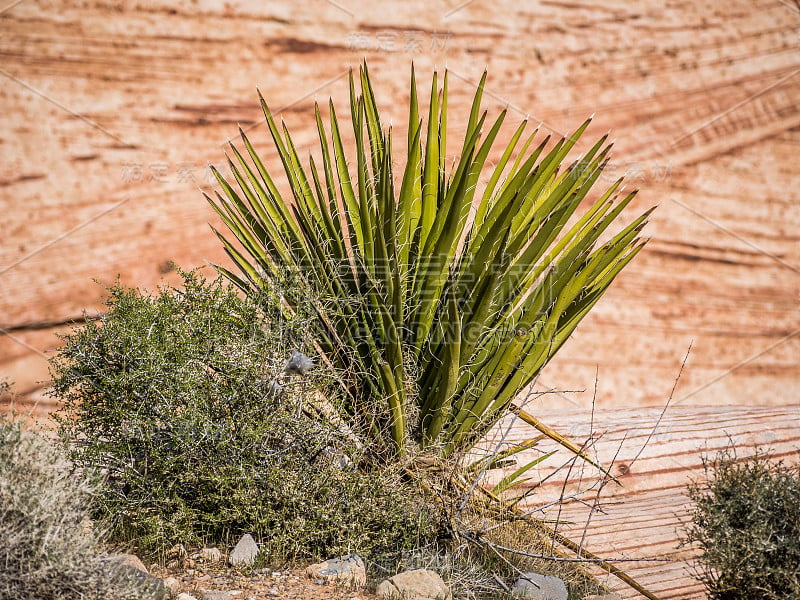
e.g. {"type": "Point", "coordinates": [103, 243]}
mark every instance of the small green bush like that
{"type": "Point", "coordinates": [747, 524]}
{"type": "Point", "coordinates": [173, 398]}
{"type": "Point", "coordinates": [48, 547]}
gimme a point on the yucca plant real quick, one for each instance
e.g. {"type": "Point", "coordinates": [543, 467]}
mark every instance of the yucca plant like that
{"type": "Point", "coordinates": [441, 291]}
{"type": "Point", "coordinates": [445, 295]}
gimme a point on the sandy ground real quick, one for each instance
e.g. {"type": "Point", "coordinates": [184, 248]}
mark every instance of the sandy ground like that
{"type": "Point", "coordinates": [263, 584]}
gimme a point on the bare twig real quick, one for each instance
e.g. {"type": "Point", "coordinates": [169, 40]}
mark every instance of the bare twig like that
{"type": "Point", "coordinates": [666, 406]}
{"type": "Point", "coordinates": [578, 559]}
{"type": "Point", "coordinates": [572, 546]}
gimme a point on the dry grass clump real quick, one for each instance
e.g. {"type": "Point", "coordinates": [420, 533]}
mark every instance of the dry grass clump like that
{"type": "Point", "coordinates": [491, 542]}
{"type": "Point", "coordinates": [48, 546]}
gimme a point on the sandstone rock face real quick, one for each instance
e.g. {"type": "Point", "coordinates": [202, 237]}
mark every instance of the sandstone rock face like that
{"type": "Point", "coordinates": [129, 108]}
{"type": "Point", "coordinates": [417, 584]}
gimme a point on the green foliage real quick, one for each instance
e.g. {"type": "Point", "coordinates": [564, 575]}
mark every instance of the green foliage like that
{"type": "Point", "coordinates": [173, 397]}
{"type": "Point", "coordinates": [442, 296]}
{"type": "Point", "coordinates": [747, 524]}
{"type": "Point", "coordinates": [48, 548]}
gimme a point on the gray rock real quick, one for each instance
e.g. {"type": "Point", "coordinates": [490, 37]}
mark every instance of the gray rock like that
{"type": "Point", "coordinates": [172, 583]}
{"type": "Point", "coordinates": [348, 570]}
{"type": "Point", "coordinates": [244, 553]}
{"type": "Point", "coordinates": [539, 587]}
{"type": "Point", "coordinates": [418, 584]}
{"type": "Point", "coordinates": [211, 555]}
{"type": "Point", "coordinates": [127, 570]}
{"type": "Point", "coordinates": [217, 595]}
{"type": "Point", "coordinates": [128, 560]}
{"type": "Point", "coordinates": [298, 364]}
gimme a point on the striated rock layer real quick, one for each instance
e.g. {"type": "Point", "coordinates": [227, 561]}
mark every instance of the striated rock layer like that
{"type": "Point", "coordinates": [112, 113]}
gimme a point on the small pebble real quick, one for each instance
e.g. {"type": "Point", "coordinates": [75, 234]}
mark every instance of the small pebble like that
{"type": "Point", "coordinates": [211, 555]}
{"type": "Point", "coordinates": [171, 583]}
{"type": "Point", "coordinates": [216, 595]}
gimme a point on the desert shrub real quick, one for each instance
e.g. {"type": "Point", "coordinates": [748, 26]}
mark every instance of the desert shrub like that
{"type": "Point", "coordinates": [48, 548]}
{"type": "Point", "coordinates": [181, 400]}
{"type": "Point", "coordinates": [747, 524]}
